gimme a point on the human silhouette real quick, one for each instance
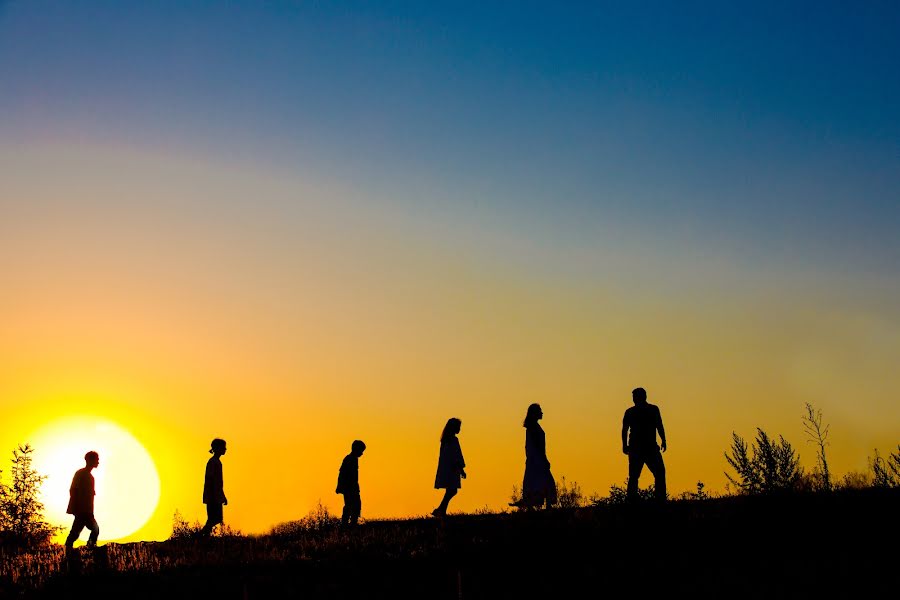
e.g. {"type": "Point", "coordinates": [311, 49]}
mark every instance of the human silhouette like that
{"type": "Point", "coordinates": [348, 484]}
{"type": "Point", "coordinates": [538, 485]}
{"type": "Point", "coordinates": [643, 420]}
{"type": "Point", "coordinates": [213, 487]}
{"type": "Point", "coordinates": [81, 502]}
{"type": "Point", "coordinates": [451, 466]}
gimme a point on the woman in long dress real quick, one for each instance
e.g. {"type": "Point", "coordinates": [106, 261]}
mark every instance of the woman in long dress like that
{"type": "Point", "coordinates": [538, 485]}
{"type": "Point", "coordinates": [451, 466]}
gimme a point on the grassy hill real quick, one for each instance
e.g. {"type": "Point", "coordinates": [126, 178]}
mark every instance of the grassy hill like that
{"type": "Point", "coordinates": [800, 545]}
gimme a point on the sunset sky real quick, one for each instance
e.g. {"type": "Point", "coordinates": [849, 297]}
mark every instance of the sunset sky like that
{"type": "Point", "coordinates": [292, 225]}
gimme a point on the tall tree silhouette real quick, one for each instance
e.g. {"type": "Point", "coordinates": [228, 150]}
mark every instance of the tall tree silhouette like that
{"type": "Point", "coordinates": [817, 434]}
{"type": "Point", "coordinates": [21, 512]}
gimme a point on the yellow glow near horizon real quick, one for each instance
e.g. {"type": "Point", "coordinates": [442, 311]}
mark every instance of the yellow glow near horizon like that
{"type": "Point", "coordinates": [127, 482]}
{"type": "Point", "coordinates": [293, 326]}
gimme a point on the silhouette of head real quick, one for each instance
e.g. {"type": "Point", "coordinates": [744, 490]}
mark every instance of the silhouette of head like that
{"type": "Point", "coordinates": [91, 459]}
{"type": "Point", "coordinates": [358, 447]}
{"type": "Point", "coordinates": [639, 396]}
{"type": "Point", "coordinates": [533, 415]}
{"type": "Point", "coordinates": [451, 428]}
{"type": "Point", "coordinates": [217, 447]}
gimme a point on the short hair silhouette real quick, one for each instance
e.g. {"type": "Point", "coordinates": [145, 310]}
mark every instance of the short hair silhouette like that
{"type": "Point", "coordinates": [358, 446]}
{"type": "Point", "coordinates": [216, 444]}
{"type": "Point", "coordinates": [91, 456]}
{"type": "Point", "coordinates": [451, 428]}
{"type": "Point", "coordinates": [531, 417]}
{"type": "Point", "coordinates": [639, 394]}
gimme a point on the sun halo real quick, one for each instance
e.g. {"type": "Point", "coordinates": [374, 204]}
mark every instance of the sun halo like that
{"type": "Point", "coordinates": [127, 482]}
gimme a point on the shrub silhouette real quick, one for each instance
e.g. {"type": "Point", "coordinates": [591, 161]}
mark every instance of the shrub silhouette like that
{"type": "Point", "coordinates": [21, 513]}
{"type": "Point", "coordinates": [316, 520]}
{"type": "Point", "coordinates": [886, 471]}
{"type": "Point", "coordinates": [182, 529]}
{"type": "Point", "coordinates": [569, 495]}
{"type": "Point", "coordinates": [765, 467]}
{"type": "Point", "coordinates": [619, 495]}
{"type": "Point", "coordinates": [700, 494]}
{"type": "Point", "coordinates": [855, 480]}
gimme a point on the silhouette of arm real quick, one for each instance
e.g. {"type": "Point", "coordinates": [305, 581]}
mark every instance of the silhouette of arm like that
{"type": "Point", "coordinates": [462, 461]}
{"type": "Point", "coordinates": [661, 429]}
{"type": "Point", "coordinates": [625, 434]}
{"type": "Point", "coordinates": [342, 477]}
{"type": "Point", "coordinates": [221, 483]}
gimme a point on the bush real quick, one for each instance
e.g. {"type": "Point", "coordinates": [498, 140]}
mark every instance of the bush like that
{"type": "Point", "coordinates": [886, 472]}
{"type": "Point", "coordinates": [569, 495]}
{"type": "Point", "coordinates": [619, 495]}
{"type": "Point", "coordinates": [316, 521]}
{"type": "Point", "coordinates": [182, 529]}
{"type": "Point", "coordinates": [700, 494]}
{"type": "Point", "coordinates": [855, 480]}
{"type": "Point", "coordinates": [764, 468]}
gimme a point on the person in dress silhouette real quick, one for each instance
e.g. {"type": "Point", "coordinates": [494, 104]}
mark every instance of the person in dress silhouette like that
{"type": "Point", "coordinates": [81, 502]}
{"type": "Point", "coordinates": [639, 427]}
{"type": "Point", "coordinates": [348, 484]}
{"type": "Point", "coordinates": [213, 487]}
{"type": "Point", "coordinates": [451, 466]}
{"type": "Point", "coordinates": [538, 485]}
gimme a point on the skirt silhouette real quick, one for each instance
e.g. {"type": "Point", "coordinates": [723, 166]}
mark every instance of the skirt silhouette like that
{"type": "Point", "coordinates": [538, 485]}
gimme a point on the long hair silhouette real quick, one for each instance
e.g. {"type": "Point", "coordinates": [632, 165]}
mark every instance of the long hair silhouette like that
{"type": "Point", "coordinates": [532, 416]}
{"type": "Point", "coordinates": [451, 428]}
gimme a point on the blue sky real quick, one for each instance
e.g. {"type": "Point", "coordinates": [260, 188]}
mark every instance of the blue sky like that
{"type": "Point", "coordinates": [768, 129]}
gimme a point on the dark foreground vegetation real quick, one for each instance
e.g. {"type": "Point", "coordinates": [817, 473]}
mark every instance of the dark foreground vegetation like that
{"type": "Point", "coordinates": [805, 545]}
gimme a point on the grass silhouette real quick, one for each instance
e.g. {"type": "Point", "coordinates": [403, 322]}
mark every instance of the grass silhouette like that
{"type": "Point", "coordinates": [735, 546]}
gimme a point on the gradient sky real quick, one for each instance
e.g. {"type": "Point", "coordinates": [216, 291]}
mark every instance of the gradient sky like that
{"type": "Point", "coordinates": [295, 224]}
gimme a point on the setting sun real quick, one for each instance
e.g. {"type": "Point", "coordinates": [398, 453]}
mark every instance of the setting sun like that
{"type": "Point", "coordinates": [127, 482]}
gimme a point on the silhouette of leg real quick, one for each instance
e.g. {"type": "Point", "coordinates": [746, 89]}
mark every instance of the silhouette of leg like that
{"type": "Point", "coordinates": [635, 466]}
{"type": "Point", "coordinates": [77, 525]}
{"type": "Point", "coordinates": [442, 509]}
{"type": "Point", "coordinates": [345, 513]}
{"type": "Point", "coordinates": [355, 507]}
{"type": "Point", "coordinates": [658, 468]}
{"type": "Point", "coordinates": [213, 518]}
{"type": "Point", "coordinates": [95, 532]}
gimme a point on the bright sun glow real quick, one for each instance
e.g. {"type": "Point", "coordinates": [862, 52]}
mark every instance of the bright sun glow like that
{"type": "Point", "coordinates": [127, 482]}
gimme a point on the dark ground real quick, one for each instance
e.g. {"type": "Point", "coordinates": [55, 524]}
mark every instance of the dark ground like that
{"type": "Point", "coordinates": [800, 546]}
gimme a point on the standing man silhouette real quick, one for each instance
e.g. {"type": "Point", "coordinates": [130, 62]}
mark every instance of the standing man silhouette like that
{"type": "Point", "coordinates": [348, 484]}
{"type": "Point", "coordinates": [213, 487]}
{"type": "Point", "coordinates": [81, 502]}
{"type": "Point", "coordinates": [644, 420]}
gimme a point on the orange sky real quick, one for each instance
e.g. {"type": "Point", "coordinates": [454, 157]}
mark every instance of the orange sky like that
{"type": "Point", "coordinates": [186, 300]}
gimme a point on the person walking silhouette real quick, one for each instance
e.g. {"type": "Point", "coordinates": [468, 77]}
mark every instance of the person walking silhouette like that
{"type": "Point", "coordinates": [81, 502]}
{"type": "Point", "coordinates": [538, 485]}
{"type": "Point", "coordinates": [348, 484]}
{"type": "Point", "coordinates": [451, 466]}
{"type": "Point", "coordinates": [213, 487]}
{"type": "Point", "coordinates": [642, 421]}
